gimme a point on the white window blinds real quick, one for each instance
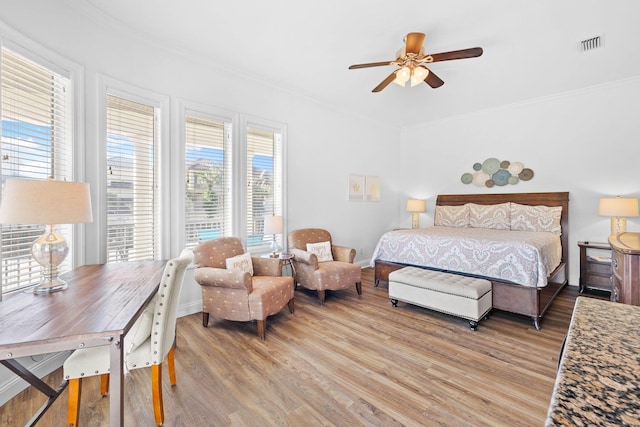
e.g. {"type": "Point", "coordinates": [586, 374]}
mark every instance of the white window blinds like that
{"type": "Point", "coordinates": [36, 144]}
{"type": "Point", "coordinates": [133, 216]}
{"type": "Point", "coordinates": [264, 183]}
{"type": "Point", "coordinates": [208, 179]}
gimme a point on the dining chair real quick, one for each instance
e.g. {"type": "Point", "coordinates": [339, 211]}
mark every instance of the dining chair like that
{"type": "Point", "coordinates": [149, 342]}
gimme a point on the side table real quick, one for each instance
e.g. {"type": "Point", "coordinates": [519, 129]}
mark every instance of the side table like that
{"type": "Point", "coordinates": [595, 270]}
{"type": "Point", "coordinates": [287, 261]}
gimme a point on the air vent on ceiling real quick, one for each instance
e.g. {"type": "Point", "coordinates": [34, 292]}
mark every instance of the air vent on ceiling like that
{"type": "Point", "coordinates": [591, 44]}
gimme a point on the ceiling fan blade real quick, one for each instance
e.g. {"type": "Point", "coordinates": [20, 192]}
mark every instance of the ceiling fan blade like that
{"type": "Point", "coordinates": [433, 80]}
{"type": "Point", "coordinates": [455, 54]}
{"type": "Point", "coordinates": [371, 64]}
{"type": "Point", "coordinates": [391, 77]}
{"type": "Point", "coordinates": [414, 42]}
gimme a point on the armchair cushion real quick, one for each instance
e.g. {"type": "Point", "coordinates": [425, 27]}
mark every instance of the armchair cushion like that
{"type": "Point", "coordinates": [240, 263]}
{"type": "Point", "coordinates": [322, 250]}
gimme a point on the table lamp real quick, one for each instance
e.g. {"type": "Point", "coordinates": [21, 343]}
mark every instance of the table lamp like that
{"type": "Point", "coordinates": [48, 203]}
{"type": "Point", "coordinates": [273, 225]}
{"type": "Point", "coordinates": [415, 207]}
{"type": "Point", "coordinates": [618, 208]}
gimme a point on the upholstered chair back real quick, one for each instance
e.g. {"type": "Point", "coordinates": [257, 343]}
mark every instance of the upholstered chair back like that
{"type": "Point", "coordinates": [163, 330]}
{"type": "Point", "coordinates": [214, 253]}
{"type": "Point", "coordinates": [299, 238]}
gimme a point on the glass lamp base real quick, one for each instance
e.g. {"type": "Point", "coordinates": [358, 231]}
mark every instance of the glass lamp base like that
{"type": "Point", "coordinates": [49, 250]}
{"type": "Point", "coordinates": [47, 286]}
{"type": "Point", "coordinates": [274, 248]}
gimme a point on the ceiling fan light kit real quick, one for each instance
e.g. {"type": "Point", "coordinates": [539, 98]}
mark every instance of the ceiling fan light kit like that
{"type": "Point", "coordinates": [411, 57]}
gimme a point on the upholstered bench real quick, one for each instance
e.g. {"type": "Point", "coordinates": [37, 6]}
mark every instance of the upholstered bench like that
{"type": "Point", "coordinates": [462, 296]}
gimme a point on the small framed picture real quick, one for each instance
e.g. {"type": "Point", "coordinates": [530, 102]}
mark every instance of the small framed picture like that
{"type": "Point", "coordinates": [372, 188]}
{"type": "Point", "coordinates": [356, 187]}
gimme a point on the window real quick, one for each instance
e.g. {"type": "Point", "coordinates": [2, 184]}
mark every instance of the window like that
{"type": "Point", "coordinates": [133, 202]}
{"type": "Point", "coordinates": [233, 176]}
{"type": "Point", "coordinates": [36, 108]}
{"type": "Point", "coordinates": [208, 170]}
{"type": "Point", "coordinates": [264, 183]}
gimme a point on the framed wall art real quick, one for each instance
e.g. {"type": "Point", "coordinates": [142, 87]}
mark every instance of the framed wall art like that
{"type": "Point", "coordinates": [356, 187]}
{"type": "Point", "coordinates": [372, 188]}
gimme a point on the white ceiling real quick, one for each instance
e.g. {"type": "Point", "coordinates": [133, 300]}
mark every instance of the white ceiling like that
{"type": "Point", "coordinates": [531, 48]}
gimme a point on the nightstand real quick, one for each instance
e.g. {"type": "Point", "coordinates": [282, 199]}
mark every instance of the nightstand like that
{"type": "Point", "coordinates": [595, 266]}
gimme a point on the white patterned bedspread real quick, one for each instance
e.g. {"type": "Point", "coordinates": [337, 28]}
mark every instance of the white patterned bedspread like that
{"type": "Point", "coordinates": [521, 257]}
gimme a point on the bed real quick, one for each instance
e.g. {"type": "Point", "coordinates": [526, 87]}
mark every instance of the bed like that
{"type": "Point", "coordinates": [527, 266]}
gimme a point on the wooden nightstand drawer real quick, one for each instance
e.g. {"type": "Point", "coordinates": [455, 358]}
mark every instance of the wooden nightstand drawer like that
{"type": "Point", "coordinates": [599, 282]}
{"type": "Point", "coordinates": [603, 268]}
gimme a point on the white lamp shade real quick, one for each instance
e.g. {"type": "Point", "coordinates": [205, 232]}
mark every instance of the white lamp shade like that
{"type": "Point", "coordinates": [273, 224]}
{"type": "Point", "coordinates": [416, 205]}
{"type": "Point", "coordinates": [45, 202]}
{"type": "Point", "coordinates": [618, 206]}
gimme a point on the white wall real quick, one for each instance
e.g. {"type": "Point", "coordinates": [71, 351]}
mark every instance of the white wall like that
{"type": "Point", "coordinates": [324, 143]}
{"type": "Point", "coordinates": [585, 142]}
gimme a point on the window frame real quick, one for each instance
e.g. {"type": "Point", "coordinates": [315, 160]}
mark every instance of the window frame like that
{"type": "Point", "coordinates": [247, 122]}
{"type": "Point", "coordinates": [108, 86]}
{"type": "Point", "coordinates": [16, 42]}
{"type": "Point", "coordinates": [239, 125]}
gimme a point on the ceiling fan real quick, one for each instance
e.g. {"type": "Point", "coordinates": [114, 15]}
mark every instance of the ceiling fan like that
{"type": "Point", "coordinates": [411, 59]}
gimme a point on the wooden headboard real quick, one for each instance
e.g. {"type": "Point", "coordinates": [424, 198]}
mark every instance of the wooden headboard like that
{"type": "Point", "coordinates": [533, 199]}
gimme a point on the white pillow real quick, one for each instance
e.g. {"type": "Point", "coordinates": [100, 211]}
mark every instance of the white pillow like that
{"type": "Point", "coordinates": [322, 251]}
{"type": "Point", "coordinates": [241, 263]}
{"type": "Point", "coordinates": [141, 329]}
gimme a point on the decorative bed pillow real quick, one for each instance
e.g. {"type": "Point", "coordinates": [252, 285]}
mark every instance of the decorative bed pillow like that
{"type": "Point", "coordinates": [452, 216]}
{"type": "Point", "coordinates": [141, 329]}
{"type": "Point", "coordinates": [497, 217]}
{"type": "Point", "coordinates": [536, 218]}
{"type": "Point", "coordinates": [322, 250]}
{"type": "Point", "coordinates": [241, 263]}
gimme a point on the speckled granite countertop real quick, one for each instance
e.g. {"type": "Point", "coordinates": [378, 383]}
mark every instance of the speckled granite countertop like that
{"type": "Point", "coordinates": [598, 383]}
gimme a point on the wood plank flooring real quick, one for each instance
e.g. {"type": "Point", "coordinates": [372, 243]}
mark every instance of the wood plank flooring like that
{"type": "Point", "coordinates": [356, 361]}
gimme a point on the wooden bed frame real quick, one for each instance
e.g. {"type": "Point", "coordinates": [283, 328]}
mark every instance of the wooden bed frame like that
{"type": "Point", "coordinates": [526, 300]}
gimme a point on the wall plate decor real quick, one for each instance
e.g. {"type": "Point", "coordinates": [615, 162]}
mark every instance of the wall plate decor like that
{"type": "Point", "coordinates": [493, 172]}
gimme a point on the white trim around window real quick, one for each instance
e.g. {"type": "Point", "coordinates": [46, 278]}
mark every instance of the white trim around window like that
{"type": "Point", "coordinates": [108, 86]}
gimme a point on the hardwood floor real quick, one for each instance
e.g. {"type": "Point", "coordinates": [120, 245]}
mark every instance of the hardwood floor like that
{"type": "Point", "coordinates": [356, 361]}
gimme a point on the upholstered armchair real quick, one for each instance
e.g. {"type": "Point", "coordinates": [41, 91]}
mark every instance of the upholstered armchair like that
{"type": "Point", "coordinates": [236, 286]}
{"type": "Point", "coordinates": [321, 265]}
{"type": "Point", "coordinates": [158, 320]}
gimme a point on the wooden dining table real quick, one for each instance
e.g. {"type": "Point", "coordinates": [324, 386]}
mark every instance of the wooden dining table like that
{"type": "Point", "coordinates": [98, 308]}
